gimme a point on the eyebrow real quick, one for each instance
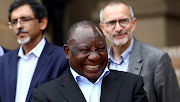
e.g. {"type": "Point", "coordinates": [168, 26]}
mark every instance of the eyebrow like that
{"type": "Point", "coordinates": [21, 17]}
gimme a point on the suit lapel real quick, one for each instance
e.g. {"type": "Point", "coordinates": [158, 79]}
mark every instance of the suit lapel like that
{"type": "Point", "coordinates": [42, 64]}
{"type": "Point", "coordinates": [70, 90]}
{"type": "Point", "coordinates": [135, 59]}
{"type": "Point", "coordinates": [13, 74]}
{"type": "Point", "coordinates": [110, 88]}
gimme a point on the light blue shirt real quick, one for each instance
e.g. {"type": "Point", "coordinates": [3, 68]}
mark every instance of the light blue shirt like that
{"type": "Point", "coordinates": [122, 65]}
{"type": "Point", "coordinates": [26, 67]}
{"type": "Point", "coordinates": [1, 51]}
{"type": "Point", "coordinates": [91, 91]}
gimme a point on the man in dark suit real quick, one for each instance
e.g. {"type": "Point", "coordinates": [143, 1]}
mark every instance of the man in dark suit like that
{"type": "Point", "coordinates": [89, 80]}
{"type": "Point", "coordinates": [36, 61]}
{"type": "Point", "coordinates": [128, 54]}
{"type": "Point", "coordinates": [3, 51]}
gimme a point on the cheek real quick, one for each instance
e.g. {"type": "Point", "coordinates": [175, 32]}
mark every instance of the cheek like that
{"type": "Point", "coordinates": [108, 31]}
{"type": "Point", "coordinates": [35, 28]}
{"type": "Point", "coordinates": [128, 27]}
{"type": "Point", "coordinates": [104, 57]}
{"type": "Point", "coordinates": [77, 64]}
{"type": "Point", "coordinates": [77, 60]}
{"type": "Point", "coordinates": [14, 32]}
{"type": "Point", "coordinates": [81, 58]}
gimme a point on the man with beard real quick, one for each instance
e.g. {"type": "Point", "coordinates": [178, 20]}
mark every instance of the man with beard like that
{"type": "Point", "coordinates": [36, 61]}
{"type": "Point", "coordinates": [89, 79]}
{"type": "Point", "coordinates": [127, 54]}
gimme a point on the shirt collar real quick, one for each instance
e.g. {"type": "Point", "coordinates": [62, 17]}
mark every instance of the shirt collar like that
{"type": "Point", "coordinates": [123, 56]}
{"type": "Point", "coordinates": [76, 75]}
{"type": "Point", "coordinates": [36, 51]}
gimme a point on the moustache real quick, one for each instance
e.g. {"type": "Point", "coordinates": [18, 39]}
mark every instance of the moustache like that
{"type": "Point", "coordinates": [20, 31]}
{"type": "Point", "coordinates": [119, 33]}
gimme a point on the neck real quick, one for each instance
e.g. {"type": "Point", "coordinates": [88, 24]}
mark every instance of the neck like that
{"type": "Point", "coordinates": [29, 46]}
{"type": "Point", "coordinates": [119, 49]}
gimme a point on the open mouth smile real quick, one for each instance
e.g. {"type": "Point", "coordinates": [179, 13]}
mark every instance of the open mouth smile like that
{"type": "Point", "coordinates": [92, 67]}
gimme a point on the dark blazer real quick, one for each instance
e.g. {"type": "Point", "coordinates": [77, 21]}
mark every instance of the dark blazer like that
{"type": "Point", "coordinates": [116, 87]}
{"type": "Point", "coordinates": [154, 65]}
{"type": "Point", "coordinates": [5, 50]}
{"type": "Point", "coordinates": [51, 64]}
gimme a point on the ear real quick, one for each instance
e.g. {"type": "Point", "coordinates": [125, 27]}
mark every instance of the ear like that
{"type": "Point", "coordinates": [102, 28]}
{"type": "Point", "coordinates": [43, 23]}
{"type": "Point", "coordinates": [66, 51]}
{"type": "Point", "coordinates": [134, 23]}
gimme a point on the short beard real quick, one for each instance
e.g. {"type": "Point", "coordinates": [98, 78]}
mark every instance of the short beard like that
{"type": "Point", "coordinates": [110, 37]}
{"type": "Point", "coordinates": [24, 41]}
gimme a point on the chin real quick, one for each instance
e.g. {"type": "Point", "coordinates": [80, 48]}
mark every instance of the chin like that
{"type": "Point", "coordinates": [23, 41]}
{"type": "Point", "coordinates": [119, 43]}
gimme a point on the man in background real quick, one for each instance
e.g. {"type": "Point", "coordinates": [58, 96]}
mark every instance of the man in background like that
{"type": "Point", "coordinates": [128, 54]}
{"type": "Point", "coordinates": [36, 61]}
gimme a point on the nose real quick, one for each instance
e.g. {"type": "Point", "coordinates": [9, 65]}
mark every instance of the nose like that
{"type": "Point", "coordinates": [94, 56]}
{"type": "Point", "coordinates": [19, 25]}
{"type": "Point", "coordinates": [118, 27]}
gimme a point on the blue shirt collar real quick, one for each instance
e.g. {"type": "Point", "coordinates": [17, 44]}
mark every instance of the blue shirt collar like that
{"type": "Point", "coordinates": [123, 56]}
{"type": "Point", "coordinates": [36, 50]}
{"type": "Point", "coordinates": [77, 76]}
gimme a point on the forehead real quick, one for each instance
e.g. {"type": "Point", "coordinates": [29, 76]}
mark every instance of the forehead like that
{"type": "Point", "coordinates": [83, 32]}
{"type": "Point", "coordinates": [116, 11]}
{"type": "Point", "coordinates": [23, 10]}
{"type": "Point", "coordinates": [86, 35]}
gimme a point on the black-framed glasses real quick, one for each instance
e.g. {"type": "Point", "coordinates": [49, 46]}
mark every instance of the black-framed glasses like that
{"type": "Point", "coordinates": [122, 22]}
{"type": "Point", "coordinates": [23, 21]}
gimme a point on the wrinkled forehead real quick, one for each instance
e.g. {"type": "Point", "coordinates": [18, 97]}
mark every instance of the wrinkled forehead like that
{"type": "Point", "coordinates": [86, 34]}
{"type": "Point", "coordinates": [83, 32]}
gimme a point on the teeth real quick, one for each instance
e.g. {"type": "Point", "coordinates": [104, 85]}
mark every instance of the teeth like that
{"type": "Point", "coordinates": [89, 66]}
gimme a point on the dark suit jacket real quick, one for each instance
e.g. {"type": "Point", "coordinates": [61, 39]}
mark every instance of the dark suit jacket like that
{"type": "Point", "coordinates": [51, 64]}
{"type": "Point", "coordinates": [5, 50]}
{"type": "Point", "coordinates": [116, 87]}
{"type": "Point", "coordinates": [154, 65]}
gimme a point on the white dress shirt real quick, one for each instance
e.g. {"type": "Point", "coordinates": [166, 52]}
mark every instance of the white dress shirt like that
{"type": "Point", "coordinates": [1, 51]}
{"type": "Point", "coordinates": [26, 67]}
{"type": "Point", "coordinates": [91, 91]}
{"type": "Point", "coordinates": [122, 65]}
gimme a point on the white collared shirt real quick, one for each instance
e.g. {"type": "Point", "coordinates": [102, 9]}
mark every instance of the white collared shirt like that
{"type": "Point", "coordinates": [1, 51]}
{"type": "Point", "coordinates": [122, 65]}
{"type": "Point", "coordinates": [26, 67]}
{"type": "Point", "coordinates": [91, 91]}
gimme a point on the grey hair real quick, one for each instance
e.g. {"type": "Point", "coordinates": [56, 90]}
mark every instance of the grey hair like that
{"type": "Point", "coordinates": [112, 4]}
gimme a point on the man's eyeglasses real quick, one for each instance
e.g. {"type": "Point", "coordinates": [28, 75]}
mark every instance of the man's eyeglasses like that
{"type": "Point", "coordinates": [23, 21]}
{"type": "Point", "coordinates": [122, 22]}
